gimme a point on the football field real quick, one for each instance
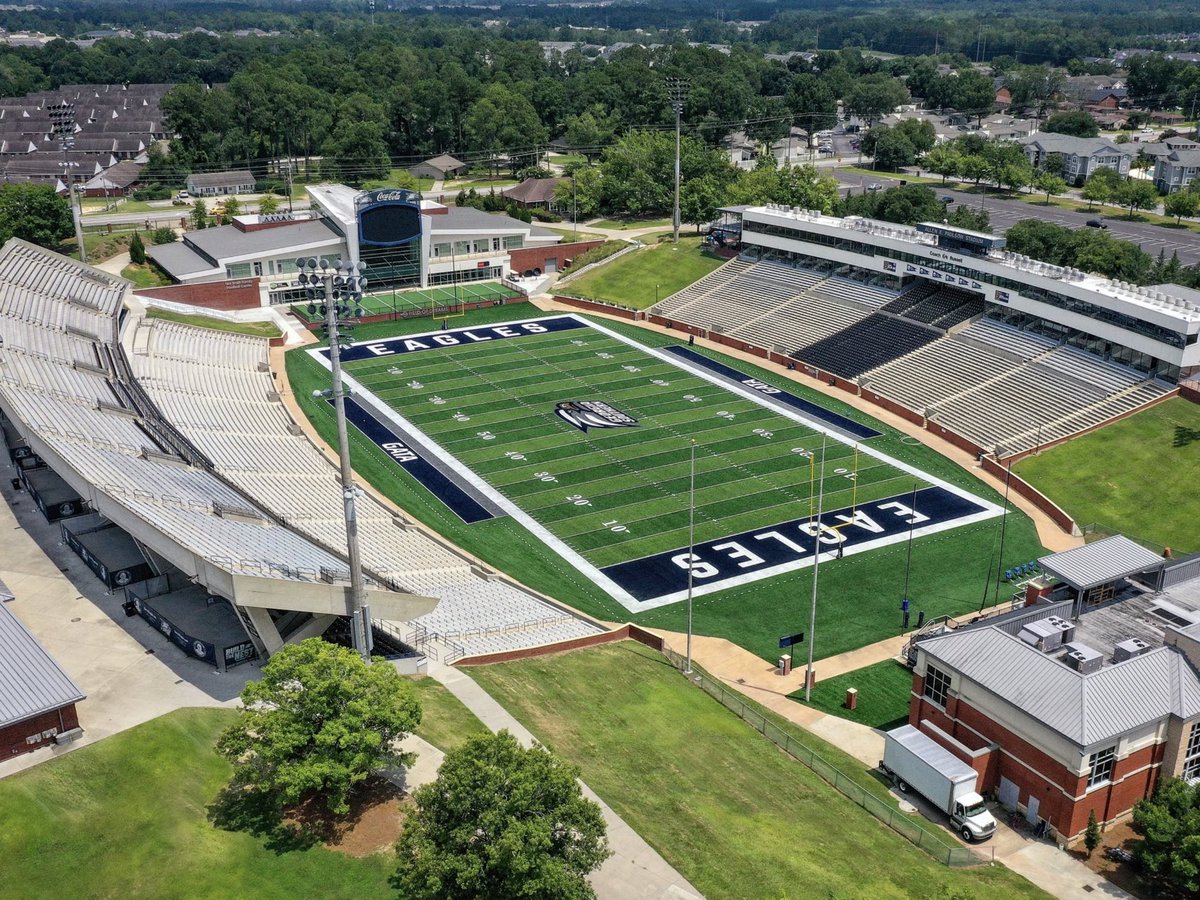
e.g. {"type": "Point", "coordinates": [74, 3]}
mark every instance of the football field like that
{"type": "Point", "coordinates": [621, 457]}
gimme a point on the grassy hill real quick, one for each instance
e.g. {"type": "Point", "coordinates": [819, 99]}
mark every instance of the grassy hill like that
{"type": "Point", "coordinates": [1136, 476]}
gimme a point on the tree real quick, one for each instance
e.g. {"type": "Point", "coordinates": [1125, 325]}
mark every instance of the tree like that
{"type": "Point", "coordinates": [889, 147]}
{"type": "Point", "coordinates": [1049, 184]}
{"type": "Point", "coordinates": [1092, 837]}
{"type": "Point", "coordinates": [1076, 122]}
{"type": "Point", "coordinates": [233, 207]}
{"type": "Point", "coordinates": [501, 821]}
{"type": "Point", "coordinates": [199, 214]}
{"type": "Point", "coordinates": [873, 96]}
{"type": "Point", "coordinates": [137, 250]}
{"type": "Point", "coordinates": [34, 213]}
{"type": "Point", "coordinates": [163, 236]}
{"type": "Point", "coordinates": [1169, 823]}
{"type": "Point", "coordinates": [268, 205]}
{"type": "Point", "coordinates": [1101, 187]}
{"type": "Point", "coordinates": [813, 104]}
{"type": "Point", "coordinates": [1136, 194]}
{"type": "Point", "coordinates": [356, 152]}
{"type": "Point", "coordinates": [318, 722]}
{"type": "Point", "coordinates": [1181, 203]}
{"type": "Point", "coordinates": [944, 161]}
{"type": "Point", "coordinates": [971, 218]}
{"type": "Point", "coordinates": [974, 167]}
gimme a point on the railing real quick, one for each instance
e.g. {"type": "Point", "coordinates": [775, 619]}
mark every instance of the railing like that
{"type": "Point", "coordinates": [941, 847]}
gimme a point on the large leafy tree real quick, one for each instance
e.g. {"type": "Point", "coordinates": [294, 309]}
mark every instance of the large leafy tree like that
{"type": "Point", "coordinates": [1077, 122]}
{"type": "Point", "coordinates": [501, 821]}
{"type": "Point", "coordinates": [1136, 194]}
{"type": "Point", "coordinates": [1182, 203]}
{"type": "Point", "coordinates": [1169, 823]}
{"type": "Point", "coordinates": [813, 104]}
{"type": "Point", "coordinates": [874, 96]}
{"type": "Point", "coordinates": [33, 212]}
{"type": "Point", "coordinates": [318, 722]}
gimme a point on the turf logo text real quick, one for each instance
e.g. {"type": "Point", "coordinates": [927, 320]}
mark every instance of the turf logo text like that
{"type": "Point", "coordinates": [585, 414]}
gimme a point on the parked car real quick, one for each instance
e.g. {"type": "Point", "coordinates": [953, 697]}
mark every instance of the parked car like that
{"type": "Point", "coordinates": [947, 199]}
{"type": "Point", "coordinates": [183, 195]}
{"type": "Point", "coordinates": [874, 186]}
{"type": "Point", "coordinates": [1095, 223]}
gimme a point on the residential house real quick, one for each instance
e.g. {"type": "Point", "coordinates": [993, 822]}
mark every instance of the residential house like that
{"type": "Point", "coordinates": [115, 181]}
{"type": "Point", "coordinates": [1080, 156]}
{"type": "Point", "coordinates": [534, 193]}
{"type": "Point", "coordinates": [439, 168]}
{"type": "Point", "coordinates": [220, 184]}
{"type": "Point", "coordinates": [1178, 169]}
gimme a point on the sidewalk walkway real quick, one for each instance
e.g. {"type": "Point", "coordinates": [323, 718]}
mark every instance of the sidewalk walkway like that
{"type": "Point", "coordinates": [635, 869]}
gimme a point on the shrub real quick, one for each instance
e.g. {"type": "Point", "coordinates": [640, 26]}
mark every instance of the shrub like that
{"type": "Point", "coordinates": [163, 236]}
{"type": "Point", "coordinates": [604, 251]}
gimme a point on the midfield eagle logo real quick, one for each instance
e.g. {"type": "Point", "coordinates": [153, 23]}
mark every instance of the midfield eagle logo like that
{"type": "Point", "coordinates": [585, 414]}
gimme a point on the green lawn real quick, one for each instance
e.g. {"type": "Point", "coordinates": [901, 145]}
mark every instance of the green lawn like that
{"type": "Point", "coordinates": [127, 817]}
{"type": "Point", "coordinates": [628, 224]}
{"type": "Point", "coordinates": [883, 690]}
{"type": "Point", "coordinates": [1137, 476]}
{"type": "Point", "coordinates": [395, 178]}
{"type": "Point", "coordinates": [145, 276]}
{"type": "Point", "coordinates": [735, 815]}
{"type": "Point", "coordinates": [257, 329]}
{"type": "Point", "coordinates": [445, 722]}
{"type": "Point", "coordinates": [641, 278]}
{"type": "Point", "coordinates": [859, 595]}
{"type": "Point", "coordinates": [570, 235]}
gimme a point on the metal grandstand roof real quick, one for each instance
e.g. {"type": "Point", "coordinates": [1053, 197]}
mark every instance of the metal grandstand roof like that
{"type": "Point", "coordinates": [1100, 562]}
{"type": "Point", "coordinates": [31, 682]}
{"type": "Point", "coordinates": [5, 593]}
{"type": "Point", "coordinates": [1086, 709]}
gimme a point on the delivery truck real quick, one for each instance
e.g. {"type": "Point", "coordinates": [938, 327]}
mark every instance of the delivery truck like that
{"type": "Point", "coordinates": [916, 761]}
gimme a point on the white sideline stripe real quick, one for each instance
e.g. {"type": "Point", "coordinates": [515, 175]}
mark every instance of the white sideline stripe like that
{"type": "Point", "coordinates": [367, 398]}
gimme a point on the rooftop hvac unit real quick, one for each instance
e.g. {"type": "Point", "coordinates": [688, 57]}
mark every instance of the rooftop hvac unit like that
{"type": "Point", "coordinates": [1083, 658]}
{"type": "Point", "coordinates": [1048, 634]}
{"type": "Point", "coordinates": [1129, 649]}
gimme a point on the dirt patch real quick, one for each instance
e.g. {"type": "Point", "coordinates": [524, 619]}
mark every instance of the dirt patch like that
{"type": "Point", "coordinates": [1124, 875]}
{"type": "Point", "coordinates": [377, 813]}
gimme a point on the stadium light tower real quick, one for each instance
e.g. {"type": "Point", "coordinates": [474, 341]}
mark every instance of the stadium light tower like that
{"type": "Point", "coordinates": [677, 90]}
{"type": "Point", "coordinates": [62, 117]}
{"type": "Point", "coordinates": [336, 289]}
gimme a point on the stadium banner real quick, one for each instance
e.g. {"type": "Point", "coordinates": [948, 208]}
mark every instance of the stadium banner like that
{"type": "Point", "coordinates": [403, 452]}
{"type": "Point", "coordinates": [193, 647]}
{"type": "Point", "coordinates": [791, 544]}
{"type": "Point", "coordinates": [454, 337]}
{"type": "Point", "coordinates": [236, 654]}
{"type": "Point", "coordinates": [778, 395]}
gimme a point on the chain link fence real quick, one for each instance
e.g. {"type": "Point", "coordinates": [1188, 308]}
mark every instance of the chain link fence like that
{"type": "Point", "coordinates": [941, 847]}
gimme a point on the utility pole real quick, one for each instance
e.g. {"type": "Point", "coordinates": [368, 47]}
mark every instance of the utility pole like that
{"type": "Point", "coordinates": [677, 90]}
{"type": "Point", "coordinates": [812, 615]}
{"type": "Point", "coordinates": [62, 115]}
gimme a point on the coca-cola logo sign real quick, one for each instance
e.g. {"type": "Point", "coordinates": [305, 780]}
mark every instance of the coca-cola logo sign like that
{"type": "Point", "coordinates": [386, 196]}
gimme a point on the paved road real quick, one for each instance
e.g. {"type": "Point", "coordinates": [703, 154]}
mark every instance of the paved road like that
{"type": "Point", "coordinates": [1004, 213]}
{"type": "Point", "coordinates": [169, 215]}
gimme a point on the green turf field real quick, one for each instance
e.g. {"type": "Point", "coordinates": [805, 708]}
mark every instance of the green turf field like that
{"type": "Point", "coordinates": [859, 595]}
{"type": "Point", "coordinates": [1136, 476]}
{"type": "Point", "coordinates": [641, 278]}
{"type": "Point", "coordinates": [426, 300]}
{"type": "Point", "coordinates": [729, 810]}
{"type": "Point", "coordinates": [613, 495]}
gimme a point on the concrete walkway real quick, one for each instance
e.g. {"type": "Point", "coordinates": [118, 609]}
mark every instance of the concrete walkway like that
{"type": "Point", "coordinates": [635, 869]}
{"type": "Point", "coordinates": [114, 265]}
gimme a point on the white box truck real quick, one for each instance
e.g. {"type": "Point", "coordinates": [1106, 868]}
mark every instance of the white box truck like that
{"type": "Point", "coordinates": [917, 761]}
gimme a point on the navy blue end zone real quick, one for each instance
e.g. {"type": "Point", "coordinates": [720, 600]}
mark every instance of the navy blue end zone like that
{"type": "Point", "coordinates": [788, 544]}
{"type": "Point", "coordinates": [403, 454]}
{"type": "Point", "coordinates": [810, 409]}
{"type": "Point", "coordinates": [455, 337]}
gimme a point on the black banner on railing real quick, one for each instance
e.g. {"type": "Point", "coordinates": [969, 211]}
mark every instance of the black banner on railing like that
{"type": "Point", "coordinates": [193, 647]}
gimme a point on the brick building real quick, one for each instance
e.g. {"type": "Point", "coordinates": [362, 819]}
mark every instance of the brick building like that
{"type": "Point", "coordinates": [37, 698]}
{"type": "Point", "coordinates": [1082, 701]}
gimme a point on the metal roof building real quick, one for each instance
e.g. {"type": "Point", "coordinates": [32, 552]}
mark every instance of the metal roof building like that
{"type": "Point", "coordinates": [37, 698]}
{"type": "Point", "coordinates": [1101, 562]}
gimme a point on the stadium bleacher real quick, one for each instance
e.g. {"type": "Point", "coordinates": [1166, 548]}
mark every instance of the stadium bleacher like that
{"type": "Point", "coordinates": [217, 388]}
{"type": "Point", "coordinates": [1002, 388]}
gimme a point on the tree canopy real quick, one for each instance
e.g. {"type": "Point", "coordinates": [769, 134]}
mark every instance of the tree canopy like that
{"type": "Point", "coordinates": [319, 721]}
{"type": "Point", "coordinates": [34, 213]}
{"type": "Point", "coordinates": [499, 822]}
{"type": "Point", "coordinates": [1169, 823]}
